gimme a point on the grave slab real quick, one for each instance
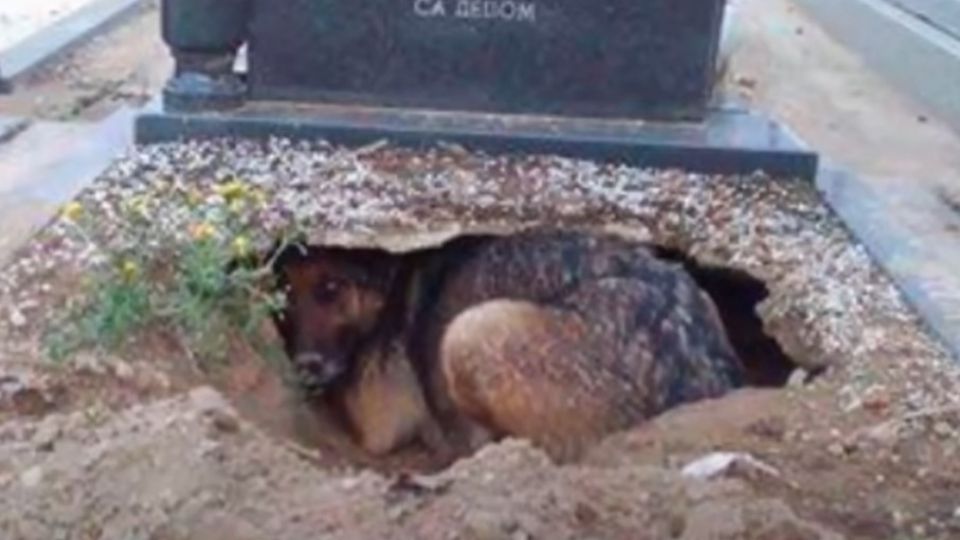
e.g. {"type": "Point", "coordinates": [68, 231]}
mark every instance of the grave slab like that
{"type": "Point", "coordinates": [729, 141]}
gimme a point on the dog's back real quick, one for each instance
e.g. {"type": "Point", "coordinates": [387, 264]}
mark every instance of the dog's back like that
{"type": "Point", "coordinates": [565, 337]}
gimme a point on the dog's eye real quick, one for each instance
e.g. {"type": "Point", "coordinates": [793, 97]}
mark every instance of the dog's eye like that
{"type": "Point", "coordinates": [326, 292]}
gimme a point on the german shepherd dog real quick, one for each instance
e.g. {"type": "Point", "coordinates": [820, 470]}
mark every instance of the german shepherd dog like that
{"type": "Point", "coordinates": [557, 337]}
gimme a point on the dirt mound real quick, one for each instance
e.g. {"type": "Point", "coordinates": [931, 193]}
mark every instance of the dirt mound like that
{"type": "Point", "coordinates": [190, 468]}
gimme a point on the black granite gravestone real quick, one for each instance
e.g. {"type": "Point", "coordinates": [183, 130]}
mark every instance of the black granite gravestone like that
{"type": "Point", "coordinates": [629, 80]}
{"type": "Point", "coordinates": [599, 58]}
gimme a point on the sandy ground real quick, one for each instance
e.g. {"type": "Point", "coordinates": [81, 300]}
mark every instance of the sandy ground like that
{"type": "Point", "coordinates": [21, 18]}
{"type": "Point", "coordinates": [125, 66]}
{"type": "Point", "coordinates": [787, 65]}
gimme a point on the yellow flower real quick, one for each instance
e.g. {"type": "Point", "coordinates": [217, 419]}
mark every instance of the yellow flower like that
{"type": "Point", "coordinates": [137, 206]}
{"type": "Point", "coordinates": [72, 211]}
{"type": "Point", "coordinates": [203, 231]}
{"type": "Point", "coordinates": [259, 197]}
{"type": "Point", "coordinates": [241, 246]}
{"type": "Point", "coordinates": [140, 206]}
{"type": "Point", "coordinates": [129, 270]}
{"type": "Point", "coordinates": [237, 206]}
{"type": "Point", "coordinates": [194, 197]}
{"type": "Point", "coordinates": [170, 183]}
{"type": "Point", "coordinates": [232, 190]}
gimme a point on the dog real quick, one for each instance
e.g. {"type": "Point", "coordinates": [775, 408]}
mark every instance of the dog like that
{"type": "Point", "coordinates": [342, 329]}
{"type": "Point", "coordinates": [554, 336]}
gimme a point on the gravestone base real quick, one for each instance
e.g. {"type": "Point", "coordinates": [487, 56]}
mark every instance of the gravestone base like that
{"type": "Point", "coordinates": [727, 141]}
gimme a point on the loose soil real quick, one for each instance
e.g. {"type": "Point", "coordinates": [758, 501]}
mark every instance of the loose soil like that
{"type": "Point", "coordinates": [137, 444]}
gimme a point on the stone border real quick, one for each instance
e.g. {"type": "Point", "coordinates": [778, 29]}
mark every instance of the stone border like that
{"type": "Point", "coordinates": [49, 42]}
{"type": "Point", "coordinates": [922, 263]}
{"type": "Point", "coordinates": [916, 56]}
{"type": "Point", "coordinates": [729, 141]}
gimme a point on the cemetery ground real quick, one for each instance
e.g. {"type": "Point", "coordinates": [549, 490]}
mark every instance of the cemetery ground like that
{"type": "Point", "coordinates": [154, 439]}
{"type": "Point", "coordinates": [119, 442]}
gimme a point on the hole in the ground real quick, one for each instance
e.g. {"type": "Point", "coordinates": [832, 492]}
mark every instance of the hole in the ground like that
{"type": "Point", "coordinates": [736, 295]}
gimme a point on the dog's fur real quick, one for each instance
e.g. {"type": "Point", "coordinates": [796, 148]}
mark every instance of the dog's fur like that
{"type": "Point", "coordinates": [557, 337]}
{"type": "Point", "coordinates": [348, 308]}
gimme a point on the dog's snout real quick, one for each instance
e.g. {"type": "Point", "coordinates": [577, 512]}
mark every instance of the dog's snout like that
{"type": "Point", "coordinates": [318, 371]}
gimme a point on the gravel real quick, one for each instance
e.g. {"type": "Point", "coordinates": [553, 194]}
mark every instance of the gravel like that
{"type": "Point", "coordinates": [829, 304]}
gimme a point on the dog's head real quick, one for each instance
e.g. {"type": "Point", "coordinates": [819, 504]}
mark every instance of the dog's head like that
{"type": "Point", "coordinates": [335, 300]}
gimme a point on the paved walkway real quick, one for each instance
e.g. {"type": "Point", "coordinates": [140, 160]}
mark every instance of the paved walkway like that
{"type": "Point", "coordinates": [941, 14]}
{"type": "Point", "coordinates": [788, 66]}
{"type": "Point", "coordinates": [47, 165]}
{"type": "Point", "coordinates": [913, 43]}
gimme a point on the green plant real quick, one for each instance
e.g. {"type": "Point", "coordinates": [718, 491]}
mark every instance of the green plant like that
{"type": "Point", "coordinates": [117, 308]}
{"type": "Point", "coordinates": [202, 280]}
{"type": "Point", "coordinates": [214, 295]}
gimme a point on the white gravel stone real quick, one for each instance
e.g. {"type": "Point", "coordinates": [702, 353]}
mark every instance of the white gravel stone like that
{"type": "Point", "coordinates": [32, 477]}
{"type": "Point", "coordinates": [17, 318]}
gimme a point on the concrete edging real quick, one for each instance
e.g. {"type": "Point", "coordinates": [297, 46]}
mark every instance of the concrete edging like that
{"type": "Point", "coordinates": [11, 126]}
{"type": "Point", "coordinates": [44, 45]}
{"type": "Point", "coordinates": [912, 248]}
{"type": "Point", "coordinates": [921, 59]}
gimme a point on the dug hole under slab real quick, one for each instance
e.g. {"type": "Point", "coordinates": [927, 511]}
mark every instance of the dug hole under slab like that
{"type": "Point", "coordinates": [125, 444]}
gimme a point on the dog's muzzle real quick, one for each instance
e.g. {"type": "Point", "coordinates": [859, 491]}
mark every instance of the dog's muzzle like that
{"type": "Point", "coordinates": [317, 372]}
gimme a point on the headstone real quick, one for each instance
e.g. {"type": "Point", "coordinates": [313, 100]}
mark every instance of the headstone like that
{"type": "Point", "coordinates": [604, 58]}
{"type": "Point", "coordinates": [599, 58]}
{"type": "Point", "coordinates": [624, 80]}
